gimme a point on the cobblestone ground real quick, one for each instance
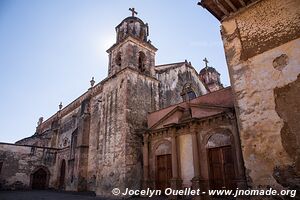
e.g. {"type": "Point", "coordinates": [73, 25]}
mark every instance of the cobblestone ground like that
{"type": "Point", "coordinates": [54, 195]}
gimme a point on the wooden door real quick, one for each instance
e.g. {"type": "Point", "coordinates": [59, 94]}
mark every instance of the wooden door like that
{"type": "Point", "coordinates": [164, 171]}
{"type": "Point", "coordinates": [221, 168]}
{"type": "Point", "coordinates": [39, 179]}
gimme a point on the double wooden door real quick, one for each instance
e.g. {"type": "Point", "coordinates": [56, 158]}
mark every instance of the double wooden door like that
{"type": "Point", "coordinates": [221, 168]}
{"type": "Point", "coordinates": [164, 171]}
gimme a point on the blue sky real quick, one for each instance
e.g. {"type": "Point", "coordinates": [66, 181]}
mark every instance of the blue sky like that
{"type": "Point", "coordinates": [50, 49]}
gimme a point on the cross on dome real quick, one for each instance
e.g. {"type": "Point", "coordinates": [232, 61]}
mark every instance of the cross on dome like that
{"type": "Point", "coordinates": [133, 12]}
{"type": "Point", "coordinates": [206, 62]}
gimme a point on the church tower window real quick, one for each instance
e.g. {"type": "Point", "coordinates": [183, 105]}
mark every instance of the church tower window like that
{"type": "Point", "coordinates": [142, 59]}
{"type": "Point", "coordinates": [119, 59]}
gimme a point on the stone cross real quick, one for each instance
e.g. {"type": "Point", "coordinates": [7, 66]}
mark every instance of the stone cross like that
{"type": "Point", "coordinates": [60, 106]}
{"type": "Point", "coordinates": [92, 82]}
{"type": "Point", "coordinates": [133, 11]}
{"type": "Point", "coordinates": [206, 62]}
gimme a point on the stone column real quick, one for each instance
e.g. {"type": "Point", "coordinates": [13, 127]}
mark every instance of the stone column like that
{"type": "Point", "coordinates": [176, 182]}
{"type": "Point", "coordinates": [196, 162]}
{"type": "Point", "coordinates": [174, 158]}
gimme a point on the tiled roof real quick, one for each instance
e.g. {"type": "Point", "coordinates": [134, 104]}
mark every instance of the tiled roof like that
{"type": "Point", "coordinates": [203, 106]}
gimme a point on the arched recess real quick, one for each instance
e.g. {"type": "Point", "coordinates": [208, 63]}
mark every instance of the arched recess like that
{"type": "Point", "coordinates": [188, 93]}
{"type": "Point", "coordinates": [62, 174]}
{"type": "Point", "coordinates": [221, 159]}
{"type": "Point", "coordinates": [39, 178]}
{"type": "Point", "coordinates": [162, 158]}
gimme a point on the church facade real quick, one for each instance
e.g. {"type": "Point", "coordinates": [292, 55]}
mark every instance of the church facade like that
{"type": "Point", "coordinates": [145, 125]}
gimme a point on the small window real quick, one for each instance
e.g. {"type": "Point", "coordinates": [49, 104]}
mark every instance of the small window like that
{"type": "Point", "coordinates": [142, 59]}
{"type": "Point", "coordinates": [119, 59]}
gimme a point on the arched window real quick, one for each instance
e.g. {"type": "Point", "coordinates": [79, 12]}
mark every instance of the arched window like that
{"type": "Point", "coordinates": [188, 92]}
{"type": "Point", "coordinates": [142, 59]}
{"type": "Point", "coordinates": [191, 94]}
{"type": "Point", "coordinates": [119, 59]}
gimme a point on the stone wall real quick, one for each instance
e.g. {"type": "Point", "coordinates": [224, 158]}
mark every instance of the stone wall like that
{"type": "Point", "coordinates": [127, 53]}
{"type": "Point", "coordinates": [173, 79]}
{"type": "Point", "coordinates": [262, 49]}
{"type": "Point", "coordinates": [142, 97]}
{"type": "Point", "coordinates": [106, 142]}
{"type": "Point", "coordinates": [118, 114]}
{"type": "Point", "coordinates": [19, 162]}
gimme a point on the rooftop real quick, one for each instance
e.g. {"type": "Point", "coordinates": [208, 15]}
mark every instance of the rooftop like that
{"type": "Point", "coordinates": [224, 8]}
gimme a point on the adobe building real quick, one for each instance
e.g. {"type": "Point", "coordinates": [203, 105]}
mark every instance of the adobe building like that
{"type": "Point", "coordinates": [262, 46]}
{"type": "Point", "coordinates": [106, 138]}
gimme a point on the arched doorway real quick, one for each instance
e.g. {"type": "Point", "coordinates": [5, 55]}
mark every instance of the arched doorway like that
{"type": "Point", "coordinates": [62, 175]}
{"type": "Point", "coordinates": [39, 179]}
{"type": "Point", "coordinates": [221, 161]}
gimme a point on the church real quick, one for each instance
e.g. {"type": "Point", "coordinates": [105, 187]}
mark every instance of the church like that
{"type": "Point", "coordinates": [143, 126]}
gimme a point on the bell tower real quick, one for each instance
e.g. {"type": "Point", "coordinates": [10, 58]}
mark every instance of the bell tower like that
{"type": "Point", "coordinates": [210, 77]}
{"type": "Point", "coordinates": [132, 48]}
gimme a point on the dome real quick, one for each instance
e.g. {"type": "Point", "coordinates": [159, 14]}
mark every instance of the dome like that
{"type": "Point", "coordinates": [132, 26]}
{"type": "Point", "coordinates": [208, 69]}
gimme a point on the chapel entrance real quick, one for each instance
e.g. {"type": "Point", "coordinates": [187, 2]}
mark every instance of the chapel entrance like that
{"type": "Point", "coordinates": [39, 179]}
{"type": "Point", "coordinates": [164, 171]}
{"type": "Point", "coordinates": [221, 167]}
{"type": "Point", "coordinates": [62, 175]}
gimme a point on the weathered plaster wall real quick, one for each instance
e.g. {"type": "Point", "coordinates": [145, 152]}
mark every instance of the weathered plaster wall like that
{"type": "Point", "coordinates": [129, 50]}
{"type": "Point", "coordinates": [19, 162]}
{"type": "Point", "coordinates": [173, 80]}
{"type": "Point", "coordinates": [43, 140]}
{"type": "Point", "coordinates": [118, 114]}
{"type": "Point", "coordinates": [262, 48]}
{"type": "Point", "coordinates": [142, 97]}
{"type": "Point", "coordinates": [186, 159]}
{"type": "Point", "coordinates": [106, 150]}
{"type": "Point", "coordinates": [68, 124]}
